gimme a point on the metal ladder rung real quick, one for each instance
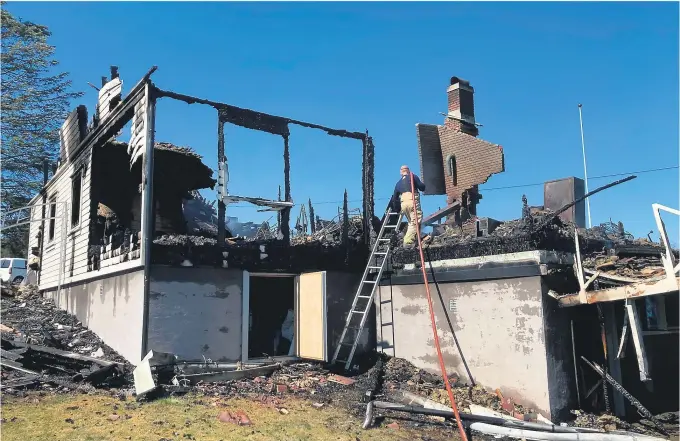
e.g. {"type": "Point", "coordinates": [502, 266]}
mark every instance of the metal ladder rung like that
{"type": "Point", "coordinates": [382, 243]}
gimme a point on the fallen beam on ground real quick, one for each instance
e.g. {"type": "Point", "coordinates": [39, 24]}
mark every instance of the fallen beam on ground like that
{"type": "Point", "coordinates": [17, 367]}
{"type": "Point", "coordinates": [519, 433]}
{"type": "Point", "coordinates": [543, 428]}
{"type": "Point", "coordinates": [65, 354]}
{"type": "Point", "coordinates": [230, 375]}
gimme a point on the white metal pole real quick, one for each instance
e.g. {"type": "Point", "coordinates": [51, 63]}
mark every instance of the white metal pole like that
{"type": "Point", "coordinates": [585, 169]}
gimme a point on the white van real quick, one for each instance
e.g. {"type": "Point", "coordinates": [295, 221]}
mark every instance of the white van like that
{"type": "Point", "coordinates": [12, 270]}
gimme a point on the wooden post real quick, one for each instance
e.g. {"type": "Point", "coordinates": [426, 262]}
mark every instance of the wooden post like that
{"type": "Point", "coordinates": [148, 209]}
{"type": "Point", "coordinates": [312, 219]}
{"type": "Point", "coordinates": [221, 207]}
{"type": "Point", "coordinates": [285, 214]}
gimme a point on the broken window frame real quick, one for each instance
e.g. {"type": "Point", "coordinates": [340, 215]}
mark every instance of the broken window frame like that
{"type": "Point", "coordinates": [76, 208]}
{"type": "Point", "coordinates": [52, 218]}
{"type": "Point", "coordinates": [277, 125]}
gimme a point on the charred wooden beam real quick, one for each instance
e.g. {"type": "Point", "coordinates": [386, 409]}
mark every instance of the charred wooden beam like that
{"type": "Point", "coordinates": [221, 207]}
{"type": "Point", "coordinates": [439, 214]}
{"type": "Point", "coordinates": [368, 181]}
{"type": "Point", "coordinates": [285, 214]}
{"type": "Point", "coordinates": [345, 222]}
{"type": "Point", "coordinates": [571, 204]}
{"type": "Point", "coordinates": [311, 216]}
{"type": "Point", "coordinates": [256, 120]}
{"type": "Point", "coordinates": [278, 213]}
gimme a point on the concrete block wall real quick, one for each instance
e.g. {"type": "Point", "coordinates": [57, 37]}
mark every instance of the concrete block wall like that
{"type": "Point", "coordinates": [196, 312]}
{"type": "Point", "coordinates": [500, 327]}
{"type": "Point", "coordinates": [111, 307]}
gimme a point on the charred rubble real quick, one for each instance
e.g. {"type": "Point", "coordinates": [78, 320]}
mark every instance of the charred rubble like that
{"type": "Point", "coordinates": [48, 348]}
{"type": "Point", "coordinates": [118, 203]}
{"type": "Point", "coordinates": [606, 247]}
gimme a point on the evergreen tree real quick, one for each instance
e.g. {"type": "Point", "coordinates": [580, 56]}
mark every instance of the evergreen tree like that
{"type": "Point", "coordinates": [35, 102]}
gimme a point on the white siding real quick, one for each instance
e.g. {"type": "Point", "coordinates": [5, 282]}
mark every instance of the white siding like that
{"type": "Point", "coordinates": [77, 238]}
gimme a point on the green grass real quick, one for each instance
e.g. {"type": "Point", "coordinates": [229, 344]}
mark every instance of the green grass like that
{"type": "Point", "coordinates": [190, 417]}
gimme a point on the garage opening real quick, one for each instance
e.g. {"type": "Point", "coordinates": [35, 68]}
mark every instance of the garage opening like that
{"type": "Point", "coordinates": [271, 316]}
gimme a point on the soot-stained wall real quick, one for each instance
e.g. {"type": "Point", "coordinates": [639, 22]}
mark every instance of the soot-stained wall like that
{"type": "Point", "coordinates": [112, 308]}
{"type": "Point", "coordinates": [500, 327]}
{"type": "Point", "coordinates": [196, 312]}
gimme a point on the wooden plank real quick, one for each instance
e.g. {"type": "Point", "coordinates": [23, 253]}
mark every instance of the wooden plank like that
{"type": "Point", "coordinates": [638, 342]}
{"type": "Point", "coordinates": [138, 131]}
{"type": "Point", "coordinates": [110, 91]}
{"type": "Point", "coordinates": [311, 312]}
{"type": "Point", "coordinates": [634, 290]}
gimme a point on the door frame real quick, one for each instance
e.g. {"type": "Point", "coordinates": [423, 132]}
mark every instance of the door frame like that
{"type": "Point", "coordinates": [245, 311]}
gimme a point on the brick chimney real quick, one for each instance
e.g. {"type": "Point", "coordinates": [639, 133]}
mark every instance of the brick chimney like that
{"type": "Point", "coordinates": [461, 114]}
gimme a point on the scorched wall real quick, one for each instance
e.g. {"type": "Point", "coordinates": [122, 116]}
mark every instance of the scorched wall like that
{"type": "Point", "coordinates": [195, 312]}
{"type": "Point", "coordinates": [500, 327]}
{"type": "Point", "coordinates": [111, 307]}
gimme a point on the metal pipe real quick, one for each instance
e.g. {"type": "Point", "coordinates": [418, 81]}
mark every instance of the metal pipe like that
{"type": "Point", "coordinates": [514, 432]}
{"type": "Point", "coordinates": [585, 170]}
{"type": "Point", "coordinates": [471, 417]}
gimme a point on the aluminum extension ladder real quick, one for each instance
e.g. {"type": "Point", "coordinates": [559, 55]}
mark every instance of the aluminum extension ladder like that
{"type": "Point", "coordinates": [363, 299]}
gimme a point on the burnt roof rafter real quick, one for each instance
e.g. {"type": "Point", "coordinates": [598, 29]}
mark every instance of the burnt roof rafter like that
{"type": "Point", "coordinates": [251, 119]}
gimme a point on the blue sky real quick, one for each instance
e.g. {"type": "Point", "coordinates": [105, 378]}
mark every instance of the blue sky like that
{"type": "Point", "coordinates": [385, 67]}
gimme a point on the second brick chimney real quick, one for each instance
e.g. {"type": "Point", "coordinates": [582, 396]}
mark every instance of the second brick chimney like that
{"type": "Point", "coordinates": [461, 112]}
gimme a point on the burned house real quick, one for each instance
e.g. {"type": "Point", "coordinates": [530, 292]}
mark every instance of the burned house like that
{"type": "Point", "coordinates": [518, 303]}
{"type": "Point", "coordinates": [127, 243]}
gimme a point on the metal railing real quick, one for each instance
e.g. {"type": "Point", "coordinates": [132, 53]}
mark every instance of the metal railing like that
{"type": "Point", "coordinates": [13, 218]}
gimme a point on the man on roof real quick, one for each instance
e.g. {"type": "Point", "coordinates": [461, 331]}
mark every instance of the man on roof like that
{"type": "Point", "coordinates": [403, 193]}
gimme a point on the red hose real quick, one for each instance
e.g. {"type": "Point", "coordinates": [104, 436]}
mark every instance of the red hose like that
{"type": "Point", "coordinates": [434, 326]}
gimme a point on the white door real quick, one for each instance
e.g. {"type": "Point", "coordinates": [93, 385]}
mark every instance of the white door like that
{"type": "Point", "coordinates": [310, 316]}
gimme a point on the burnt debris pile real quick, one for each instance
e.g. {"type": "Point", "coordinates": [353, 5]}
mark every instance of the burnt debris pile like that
{"type": "Point", "coordinates": [538, 231]}
{"type": "Point", "coordinates": [43, 346]}
{"type": "Point", "coordinates": [337, 244]}
{"type": "Point", "coordinates": [179, 173]}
